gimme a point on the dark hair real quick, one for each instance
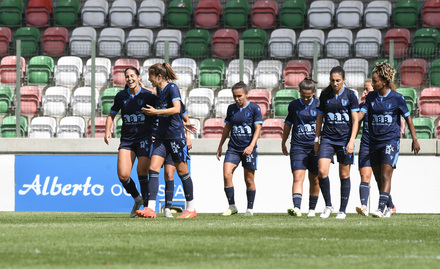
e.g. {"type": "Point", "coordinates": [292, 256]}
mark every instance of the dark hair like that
{"type": "Point", "coordinates": [240, 85]}
{"type": "Point", "coordinates": [164, 70]}
{"type": "Point", "coordinates": [307, 84]}
{"type": "Point", "coordinates": [335, 70]}
{"type": "Point", "coordinates": [131, 68]}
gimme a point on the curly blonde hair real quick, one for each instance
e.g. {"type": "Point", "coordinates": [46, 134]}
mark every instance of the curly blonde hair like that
{"type": "Point", "coordinates": [385, 71]}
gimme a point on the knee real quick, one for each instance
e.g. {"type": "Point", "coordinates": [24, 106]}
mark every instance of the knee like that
{"type": "Point", "coordinates": [123, 178]}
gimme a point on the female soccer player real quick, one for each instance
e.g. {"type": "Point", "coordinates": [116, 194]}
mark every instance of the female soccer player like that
{"type": "Point", "coordinates": [136, 134]}
{"type": "Point", "coordinates": [301, 118]}
{"type": "Point", "coordinates": [338, 106]}
{"type": "Point", "coordinates": [383, 108]}
{"type": "Point", "coordinates": [243, 124]}
{"type": "Point", "coordinates": [170, 138]}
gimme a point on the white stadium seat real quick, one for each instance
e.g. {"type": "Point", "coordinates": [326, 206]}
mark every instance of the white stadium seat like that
{"type": "Point", "coordinates": [150, 13]}
{"type": "Point", "coordinates": [320, 14]}
{"type": "Point", "coordinates": [349, 14]}
{"type": "Point", "coordinates": [282, 43]}
{"type": "Point", "coordinates": [68, 71]}
{"type": "Point", "coordinates": [56, 101]}
{"type": "Point", "coordinates": [111, 42]}
{"type": "Point", "coordinates": [223, 100]}
{"type": "Point", "coordinates": [42, 127]}
{"type": "Point", "coordinates": [338, 43]}
{"type": "Point", "coordinates": [102, 71]}
{"type": "Point", "coordinates": [367, 43]}
{"type": "Point", "coordinates": [233, 72]}
{"type": "Point", "coordinates": [139, 43]}
{"type": "Point", "coordinates": [268, 74]}
{"type": "Point", "coordinates": [94, 13]}
{"type": "Point", "coordinates": [81, 101]}
{"type": "Point", "coordinates": [175, 40]}
{"type": "Point", "coordinates": [356, 72]}
{"type": "Point", "coordinates": [186, 70]}
{"type": "Point", "coordinates": [377, 14]}
{"type": "Point", "coordinates": [306, 42]}
{"type": "Point", "coordinates": [71, 127]}
{"type": "Point", "coordinates": [81, 41]}
{"type": "Point", "coordinates": [122, 13]}
{"type": "Point", "coordinates": [199, 103]}
{"type": "Point", "coordinates": [323, 68]}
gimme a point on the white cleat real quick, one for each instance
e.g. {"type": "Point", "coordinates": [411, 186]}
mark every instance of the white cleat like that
{"type": "Point", "coordinates": [167, 213]}
{"type": "Point", "coordinates": [326, 213]}
{"type": "Point", "coordinates": [341, 215]}
{"type": "Point", "coordinates": [362, 210]}
{"type": "Point", "coordinates": [311, 214]}
{"type": "Point", "coordinates": [377, 214]}
{"type": "Point", "coordinates": [249, 213]}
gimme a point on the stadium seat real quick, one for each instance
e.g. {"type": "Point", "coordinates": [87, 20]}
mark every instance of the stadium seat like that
{"type": "Point", "coordinates": [292, 14]}
{"type": "Point", "coordinates": [150, 13]}
{"type": "Point", "coordinates": [139, 43]}
{"type": "Point", "coordinates": [199, 103]}
{"type": "Point", "coordinates": [429, 102]}
{"type": "Point", "coordinates": [179, 14]}
{"type": "Point", "coordinates": [68, 71]}
{"type": "Point", "coordinates": [56, 101]}
{"type": "Point", "coordinates": [320, 14]}
{"type": "Point", "coordinates": [175, 40]}
{"type": "Point", "coordinates": [81, 41]}
{"type": "Point", "coordinates": [268, 74]}
{"type": "Point", "coordinates": [111, 42]}
{"type": "Point", "coordinates": [107, 98]}
{"type": "Point", "coordinates": [233, 72]}
{"type": "Point", "coordinates": [367, 43]}
{"type": "Point", "coordinates": [430, 13]}
{"type": "Point", "coordinates": [272, 128]}
{"type": "Point", "coordinates": [339, 43]}
{"type": "Point", "coordinates": [30, 99]}
{"type": "Point", "coordinates": [402, 40]}
{"type": "Point", "coordinates": [122, 13]}
{"type": "Point", "coordinates": [282, 100]}
{"type": "Point", "coordinates": [349, 14]}
{"type": "Point", "coordinates": [377, 14]}
{"type": "Point", "coordinates": [356, 72]}
{"type": "Point", "coordinates": [8, 73]}
{"type": "Point", "coordinates": [144, 70]}
{"type": "Point", "coordinates": [236, 14]}
{"type": "Point", "coordinates": [223, 100]}
{"type": "Point", "coordinates": [186, 70]}
{"type": "Point", "coordinates": [11, 13]}
{"type": "Point", "coordinates": [196, 43]}
{"type": "Point", "coordinates": [323, 71]}
{"type": "Point", "coordinates": [211, 73]}
{"type": "Point", "coordinates": [434, 73]}
{"type": "Point", "coordinates": [71, 127]}
{"type": "Point", "coordinates": [118, 128]}
{"type": "Point", "coordinates": [119, 68]}
{"type": "Point", "coordinates": [425, 42]}
{"type": "Point", "coordinates": [30, 40]}
{"type": "Point", "coordinates": [40, 70]}
{"type": "Point", "coordinates": [39, 13]}
{"type": "Point", "coordinates": [197, 125]}
{"type": "Point", "coordinates": [263, 98]}
{"type": "Point", "coordinates": [295, 72]}
{"type": "Point", "coordinates": [264, 14]}
{"type": "Point", "coordinates": [306, 43]}
{"type": "Point", "coordinates": [213, 128]}
{"type": "Point", "coordinates": [6, 99]}
{"type": "Point", "coordinates": [81, 101]}
{"type": "Point", "coordinates": [55, 41]}
{"type": "Point", "coordinates": [102, 72]}
{"type": "Point", "coordinates": [8, 127]}
{"type": "Point", "coordinates": [438, 130]}
{"type": "Point", "coordinates": [424, 128]}
{"type": "Point", "coordinates": [99, 127]}
{"type": "Point", "coordinates": [42, 127]}
{"type": "Point", "coordinates": [66, 13]}
{"type": "Point", "coordinates": [410, 96]}
{"type": "Point", "coordinates": [412, 72]}
{"type": "Point", "coordinates": [406, 13]}
{"type": "Point", "coordinates": [208, 13]}
{"type": "Point", "coordinates": [225, 43]}
{"type": "Point", "coordinates": [94, 13]}
{"type": "Point", "coordinates": [255, 43]}
{"type": "Point", "coordinates": [5, 41]}
{"type": "Point", "coordinates": [282, 43]}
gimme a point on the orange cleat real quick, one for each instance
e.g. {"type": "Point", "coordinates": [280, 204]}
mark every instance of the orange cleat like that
{"type": "Point", "coordinates": [188, 215]}
{"type": "Point", "coordinates": [146, 213]}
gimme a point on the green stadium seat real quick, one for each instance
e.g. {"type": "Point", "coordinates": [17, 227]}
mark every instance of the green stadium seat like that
{"type": "Point", "coordinates": [6, 98]}
{"type": "Point", "coordinates": [211, 72]}
{"type": "Point", "coordinates": [434, 73]}
{"type": "Point", "coordinates": [11, 13]}
{"type": "Point", "coordinates": [196, 43]}
{"type": "Point", "coordinates": [40, 70]}
{"type": "Point", "coordinates": [255, 43]}
{"type": "Point", "coordinates": [236, 14]}
{"type": "Point", "coordinates": [406, 13]}
{"type": "Point", "coordinates": [8, 127]}
{"type": "Point", "coordinates": [292, 14]}
{"type": "Point", "coordinates": [179, 14]}
{"type": "Point", "coordinates": [424, 128]}
{"type": "Point", "coordinates": [282, 100]}
{"type": "Point", "coordinates": [425, 42]}
{"type": "Point", "coordinates": [107, 98]}
{"type": "Point", "coordinates": [118, 128]}
{"type": "Point", "coordinates": [66, 13]}
{"type": "Point", "coordinates": [30, 40]}
{"type": "Point", "coordinates": [410, 96]}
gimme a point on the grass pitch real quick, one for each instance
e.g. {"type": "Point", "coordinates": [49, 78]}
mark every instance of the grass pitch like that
{"type": "Point", "coordinates": [101, 240]}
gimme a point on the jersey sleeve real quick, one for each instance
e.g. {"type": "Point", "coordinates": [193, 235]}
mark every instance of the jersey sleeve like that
{"type": "Point", "coordinates": [403, 108]}
{"type": "Point", "coordinates": [290, 114]}
{"type": "Point", "coordinates": [321, 108]}
{"type": "Point", "coordinates": [258, 118]}
{"type": "Point", "coordinates": [116, 105]}
{"type": "Point", "coordinates": [175, 93]}
{"type": "Point", "coordinates": [354, 103]}
{"type": "Point", "coordinates": [228, 115]}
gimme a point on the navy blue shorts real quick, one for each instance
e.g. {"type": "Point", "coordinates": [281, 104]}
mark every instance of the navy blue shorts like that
{"type": "Point", "coordinates": [142, 148]}
{"type": "Point", "coordinates": [247, 161]}
{"type": "Point", "coordinates": [169, 159]}
{"type": "Point", "coordinates": [175, 147]}
{"type": "Point", "coordinates": [385, 153]}
{"type": "Point", "coordinates": [364, 156]}
{"type": "Point", "coordinates": [327, 150]}
{"type": "Point", "coordinates": [302, 159]}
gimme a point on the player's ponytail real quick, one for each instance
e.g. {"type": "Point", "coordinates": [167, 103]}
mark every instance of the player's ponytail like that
{"type": "Point", "coordinates": [163, 69]}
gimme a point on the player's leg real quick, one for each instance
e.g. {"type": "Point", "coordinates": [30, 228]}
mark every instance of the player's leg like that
{"type": "Point", "coordinates": [365, 172]}
{"type": "Point", "coordinates": [344, 175]}
{"type": "Point", "coordinates": [232, 159]}
{"type": "Point", "coordinates": [126, 160]}
{"type": "Point", "coordinates": [142, 171]}
{"type": "Point", "coordinates": [169, 185]}
{"type": "Point", "coordinates": [324, 185]}
{"type": "Point", "coordinates": [249, 163]}
{"type": "Point", "coordinates": [313, 192]}
{"type": "Point", "coordinates": [297, 191]}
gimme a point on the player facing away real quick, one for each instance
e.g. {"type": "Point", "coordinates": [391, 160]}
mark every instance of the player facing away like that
{"type": "Point", "coordinates": [383, 108]}
{"type": "Point", "coordinates": [301, 119]}
{"type": "Point", "coordinates": [136, 134]}
{"type": "Point", "coordinates": [338, 105]}
{"type": "Point", "coordinates": [170, 139]}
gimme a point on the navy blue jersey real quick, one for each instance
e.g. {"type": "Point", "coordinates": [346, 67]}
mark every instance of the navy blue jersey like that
{"type": "Point", "coordinates": [384, 115]}
{"type": "Point", "coordinates": [170, 126]}
{"type": "Point", "coordinates": [337, 110]}
{"type": "Point", "coordinates": [365, 132]}
{"type": "Point", "coordinates": [302, 118]}
{"type": "Point", "coordinates": [242, 121]}
{"type": "Point", "coordinates": [136, 125]}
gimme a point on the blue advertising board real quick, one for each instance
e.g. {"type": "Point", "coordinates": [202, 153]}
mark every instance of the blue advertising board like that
{"type": "Point", "coordinates": [78, 183]}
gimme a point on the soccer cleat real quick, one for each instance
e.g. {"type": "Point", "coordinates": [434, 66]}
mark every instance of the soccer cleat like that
{"type": "Point", "coordinates": [341, 215]}
{"type": "Point", "coordinates": [249, 213]}
{"type": "Point", "coordinates": [326, 213]}
{"type": "Point", "coordinates": [146, 213]}
{"type": "Point", "coordinates": [188, 215]}
{"type": "Point", "coordinates": [389, 212]}
{"type": "Point", "coordinates": [377, 214]}
{"type": "Point", "coordinates": [296, 212]}
{"type": "Point", "coordinates": [167, 213]}
{"type": "Point", "coordinates": [362, 210]}
{"type": "Point", "coordinates": [311, 213]}
{"type": "Point", "coordinates": [230, 212]}
{"type": "Point", "coordinates": [136, 207]}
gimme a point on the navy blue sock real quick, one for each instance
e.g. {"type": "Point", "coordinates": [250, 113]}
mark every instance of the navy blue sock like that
{"type": "Point", "coordinates": [313, 200]}
{"type": "Point", "coordinates": [383, 199]}
{"type": "Point", "coordinates": [187, 186]}
{"type": "Point", "coordinates": [324, 184]}
{"type": "Point", "coordinates": [297, 198]}
{"type": "Point", "coordinates": [229, 191]}
{"type": "Point", "coordinates": [390, 203]}
{"type": "Point", "coordinates": [130, 187]}
{"type": "Point", "coordinates": [250, 198]}
{"type": "Point", "coordinates": [143, 181]}
{"type": "Point", "coordinates": [153, 185]}
{"type": "Point", "coordinates": [364, 192]}
{"type": "Point", "coordinates": [169, 193]}
{"type": "Point", "coordinates": [345, 193]}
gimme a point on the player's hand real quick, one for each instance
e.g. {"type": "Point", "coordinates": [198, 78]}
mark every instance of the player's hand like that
{"type": "Point", "coordinates": [189, 144]}
{"type": "Point", "coordinates": [107, 136]}
{"type": "Point", "coordinates": [316, 148]}
{"type": "Point", "coordinates": [284, 149]}
{"type": "Point", "coordinates": [190, 128]}
{"type": "Point", "coordinates": [415, 146]}
{"type": "Point", "coordinates": [349, 148]}
{"type": "Point", "coordinates": [149, 110]}
{"type": "Point", "coordinates": [219, 153]}
{"type": "Point", "coordinates": [248, 150]}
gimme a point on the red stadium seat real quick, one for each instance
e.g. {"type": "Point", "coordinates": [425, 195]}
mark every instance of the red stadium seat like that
{"type": "Point", "coordinates": [430, 14]}
{"type": "Point", "coordinates": [30, 100]}
{"type": "Point", "coordinates": [99, 127]}
{"type": "Point", "coordinates": [54, 41]}
{"type": "Point", "coordinates": [224, 43]}
{"type": "Point", "coordinates": [5, 40]}
{"type": "Point", "coordinates": [208, 14]}
{"type": "Point", "coordinates": [264, 14]}
{"type": "Point", "coordinates": [119, 68]}
{"type": "Point", "coordinates": [8, 69]}
{"type": "Point", "coordinates": [402, 40]}
{"type": "Point", "coordinates": [213, 128]}
{"type": "Point", "coordinates": [296, 71]}
{"type": "Point", "coordinates": [272, 128]}
{"type": "Point", "coordinates": [429, 102]}
{"type": "Point", "coordinates": [437, 130]}
{"type": "Point", "coordinates": [38, 13]}
{"type": "Point", "coordinates": [413, 72]}
{"type": "Point", "coordinates": [263, 98]}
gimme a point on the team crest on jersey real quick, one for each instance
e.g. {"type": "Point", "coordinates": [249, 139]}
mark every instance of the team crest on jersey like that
{"type": "Point", "coordinates": [249, 158]}
{"type": "Point", "coordinates": [140, 101]}
{"type": "Point", "coordinates": [313, 112]}
{"type": "Point", "coordinates": [344, 102]}
{"type": "Point", "coordinates": [175, 147]}
{"type": "Point", "coordinates": [389, 149]}
{"type": "Point", "coordinates": [388, 105]}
